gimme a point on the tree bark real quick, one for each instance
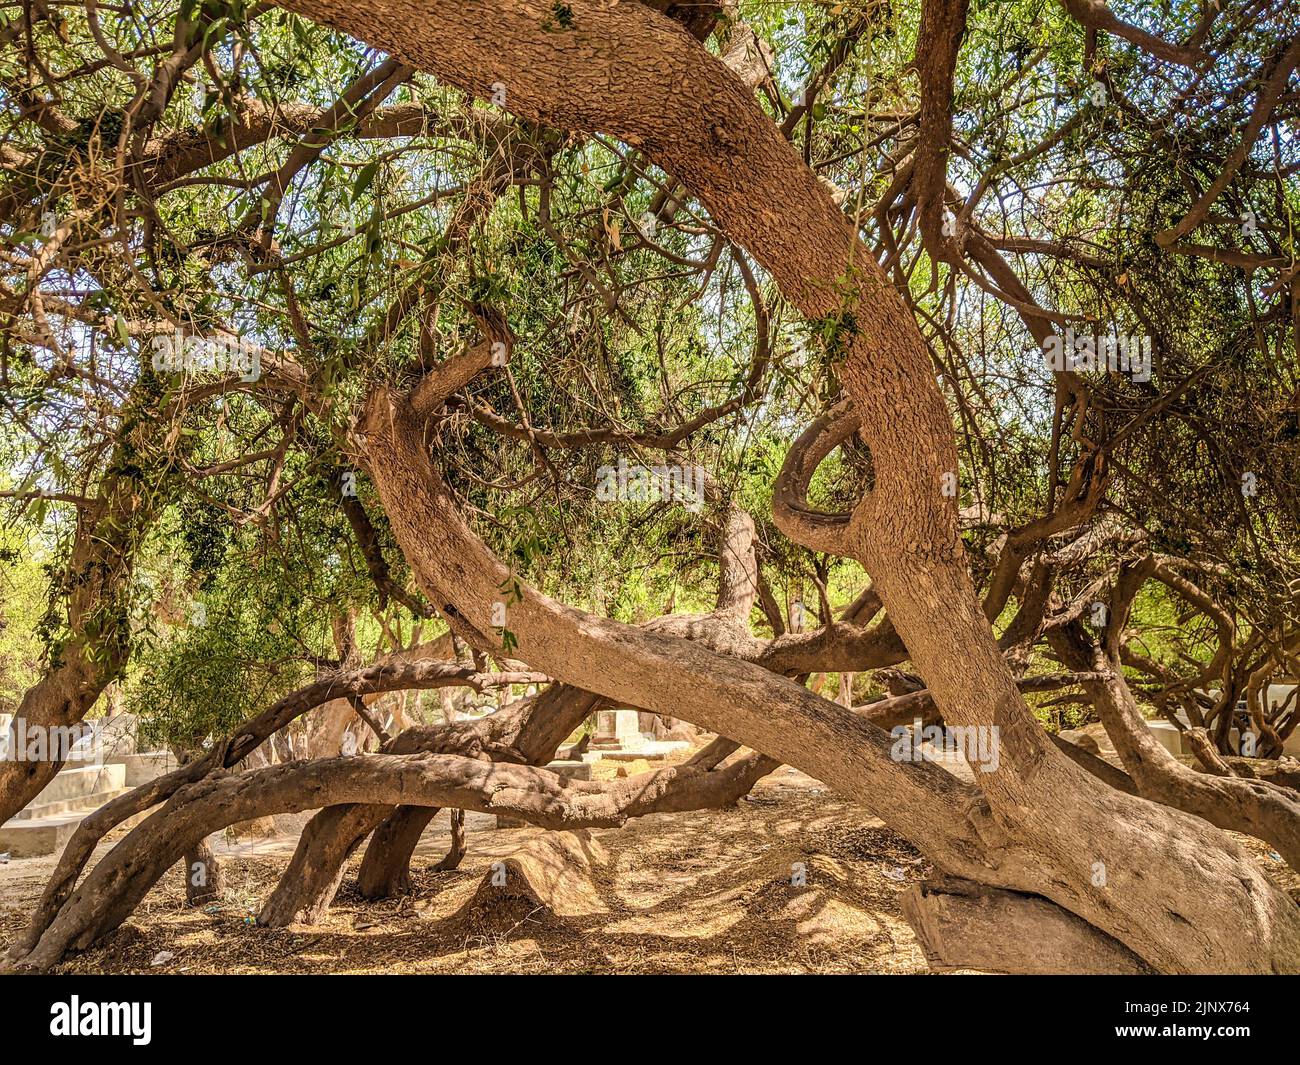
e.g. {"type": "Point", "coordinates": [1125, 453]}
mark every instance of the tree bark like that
{"type": "Point", "coordinates": [529, 732]}
{"type": "Point", "coordinates": [961, 925]}
{"type": "Point", "coordinates": [452, 859]}
{"type": "Point", "coordinates": [98, 571]}
{"type": "Point", "coordinates": [204, 878]}
{"type": "Point", "coordinates": [386, 868]}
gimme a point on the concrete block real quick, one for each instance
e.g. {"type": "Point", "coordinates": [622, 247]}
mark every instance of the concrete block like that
{"type": "Point", "coordinates": [1168, 735]}
{"type": "Point", "coordinates": [146, 766]}
{"type": "Point", "coordinates": [41, 836]}
{"type": "Point", "coordinates": [81, 781]}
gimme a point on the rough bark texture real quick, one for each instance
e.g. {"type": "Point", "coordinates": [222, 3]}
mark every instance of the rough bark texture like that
{"type": "Point", "coordinates": [1259, 807]}
{"type": "Point", "coordinates": [386, 868]}
{"type": "Point", "coordinates": [204, 880]}
{"type": "Point", "coordinates": [456, 851]}
{"type": "Point", "coordinates": [387, 676]}
{"type": "Point", "coordinates": [1176, 893]}
{"type": "Point", "coordinates": [965, 926]}
{"type": "Point", "coordinates": [528, 732]}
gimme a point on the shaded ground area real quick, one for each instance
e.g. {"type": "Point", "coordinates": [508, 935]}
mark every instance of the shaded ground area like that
{"type": "Point", "coordinates": [700, 892]}
{"type": "Point", "coordinates": [704, 892]}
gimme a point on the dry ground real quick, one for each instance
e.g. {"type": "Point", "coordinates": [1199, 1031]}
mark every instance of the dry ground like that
{"type": "Point", "coordinates": [699, 892]}
{"type": "Point", "coordinates": [704, 892]}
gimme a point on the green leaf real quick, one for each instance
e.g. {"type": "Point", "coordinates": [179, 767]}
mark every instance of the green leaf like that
{"type": "Point", "coordinates": [363, 179]}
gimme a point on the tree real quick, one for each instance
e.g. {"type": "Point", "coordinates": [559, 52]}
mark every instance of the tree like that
{"type": "Point", "coordinates": [718, 163]}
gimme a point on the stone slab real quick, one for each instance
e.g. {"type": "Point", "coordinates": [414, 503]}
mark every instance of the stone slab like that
{"type": "Point", "coordinates": [649, 750]}
{"type": "Point", "coordinates": [40, 836]}
{"type": "Point", "coordinates": [146, 766]}
{"type": "Point", "coordinates": [1168, 735]}
{"type": "Point", "coordinates": [81, 805]}
{"type": "Point", "coordinates": [617, 729]}
{"type": "Point", "coordinates": [37, 837]}
{"type": "Point", "coordinates": [78, 782]}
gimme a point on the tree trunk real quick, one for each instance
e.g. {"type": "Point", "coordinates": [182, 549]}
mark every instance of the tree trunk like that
{"type": "Point", "coordinates": [451, 860]}
{"type": "Point", "coordinates": [59, 699]}
{"type": "Point", "coordinates": [308, 885]}
{"type": "Point", "coordinates": [115, 886]}
{"type": "Point", "coordinates": [961, 925]}
{"type": "Point", "coordinates": [98, 570]}
{"type": "Point", "coordinates": [386, 868]}
{"type": "Point", "coordinates": [204, 878]}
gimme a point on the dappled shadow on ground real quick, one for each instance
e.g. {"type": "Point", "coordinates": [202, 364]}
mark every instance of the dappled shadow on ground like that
{"type": "Point", "coordinates": [700, 892]}
{"type": "Point", "coordinates": [708, 891]}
